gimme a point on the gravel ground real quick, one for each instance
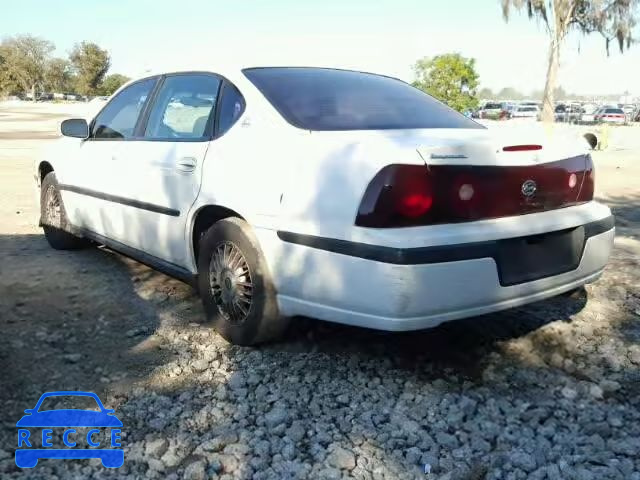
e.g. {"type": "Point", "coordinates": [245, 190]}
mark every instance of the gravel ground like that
{"type": "Point", "coordinates": [549, 391]}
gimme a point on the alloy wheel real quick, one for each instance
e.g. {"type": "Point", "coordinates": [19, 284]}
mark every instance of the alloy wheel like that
{"type": "Point", "coordinates": [230, 282]}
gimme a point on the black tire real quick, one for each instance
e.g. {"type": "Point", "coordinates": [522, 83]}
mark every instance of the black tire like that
{"type": "Point", "coordinates": [243, 315]}
{"type": "Point", "coordinates": [53, 217]}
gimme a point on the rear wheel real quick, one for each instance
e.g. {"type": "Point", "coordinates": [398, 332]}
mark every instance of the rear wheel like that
{"type": "Point", "coordinates": [53, 217]}
{"type": "Point", "coordinates": [237, 292]}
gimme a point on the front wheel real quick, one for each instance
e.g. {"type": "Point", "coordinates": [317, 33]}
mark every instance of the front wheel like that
{"type": "Point", "coordinates": [236, 288]}
{"type": "Point", "coordinates": [53, 217]}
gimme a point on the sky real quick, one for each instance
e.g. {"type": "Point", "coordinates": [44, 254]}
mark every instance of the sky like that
{"type": "Point", "coordinates": [383, 36]}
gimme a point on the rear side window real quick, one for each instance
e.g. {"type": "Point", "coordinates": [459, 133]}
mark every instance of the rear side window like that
{"type": "Point", "coordinates": [118, 118]}
{"type": "Point", "coordinates": [231, 107]}
{"type": "Point", "coordinates": [327, 99]}
{"type": "Point", "coordinates": [183, 108]}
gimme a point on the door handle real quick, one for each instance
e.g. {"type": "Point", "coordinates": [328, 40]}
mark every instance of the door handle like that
{"type": "Point", "coordinates": [186, 164]}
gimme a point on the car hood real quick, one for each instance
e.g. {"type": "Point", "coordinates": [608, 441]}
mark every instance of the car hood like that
{"type": "Point", "coordinates": [69, 418]}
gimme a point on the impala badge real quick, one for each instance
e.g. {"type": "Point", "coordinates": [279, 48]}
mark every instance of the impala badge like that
{"type": "Point", "coordinates": [435, 156]}
{"type": "Point", "coordinates": [529, 188]}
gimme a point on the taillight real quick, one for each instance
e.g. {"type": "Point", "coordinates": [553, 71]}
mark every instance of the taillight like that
{"type": "Point", "coordinates": [414, 195]}
{"type": "Point", "coordinates": [521, 148]}
{"type": "Point", "coordinates": [399, 195]}
{"type": "Point", "coordinates": [588, 181]}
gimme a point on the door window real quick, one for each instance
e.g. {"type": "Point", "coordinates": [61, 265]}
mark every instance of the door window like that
{"type": "Point", "coordinates": [231, 107]}
{"type": "Point", "coordinates": [183, 108]}
{"type": "Point", "coordinates": [118, 119]}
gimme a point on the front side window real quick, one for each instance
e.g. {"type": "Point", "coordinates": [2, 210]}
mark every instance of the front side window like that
{"type": "Point", "coordinates": [118, 118]}
{"type": "Point", "coordinates": [183, 108]}
{"type": "Point", "coordinates": [327, 99]}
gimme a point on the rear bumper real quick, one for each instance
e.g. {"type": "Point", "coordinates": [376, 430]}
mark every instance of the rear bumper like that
{"type": "Point", "coordinates": [410, 289]}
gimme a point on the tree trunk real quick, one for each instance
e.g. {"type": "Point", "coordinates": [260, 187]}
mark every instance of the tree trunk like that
{"type": "Point", "coordinates": [548, 106]}
{"type": "Point", "coordinates": [33, 92]}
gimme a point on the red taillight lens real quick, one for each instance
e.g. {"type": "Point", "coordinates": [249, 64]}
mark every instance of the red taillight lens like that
{"type": "Point", "coordinates": [399, 195]}
{"type": "Point", "coordinates": [521, 148]}
{"type": "Point", "coordinates": [588, 181]}
{"type": "Point", "coordinates": [415, 204]}
{"type": "Point", "coordinates": [413, 195]}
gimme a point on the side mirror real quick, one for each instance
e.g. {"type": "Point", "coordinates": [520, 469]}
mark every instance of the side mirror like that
{"type": "Point", "coordinates": [75, 127]}
{"type": "Point", "coordinates": [29, 410]}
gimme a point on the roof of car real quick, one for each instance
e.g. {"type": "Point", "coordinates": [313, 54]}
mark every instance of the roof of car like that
{"type": "Point", "coordinates": [234, 72]}
{"type": "Point", "coordinates": [256, 103]}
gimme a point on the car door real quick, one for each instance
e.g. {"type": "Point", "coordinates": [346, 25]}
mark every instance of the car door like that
{"type": "Point", "coordinates": [88, 184]}
{"type": "Point", "coordinates": [159, 170]}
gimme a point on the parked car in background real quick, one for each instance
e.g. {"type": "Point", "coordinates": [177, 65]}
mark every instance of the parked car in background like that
{"type": "Point", "coordinates": [575, 113]}
{"type": "Point", "coordinates": [559, 112]}
{"type": "Point", "coordinates": [525, 111]}
{"type": "Point", "coordinates": [588, 114]}
{"type": "Point", "coordinates": [494, 111]}
{"type": "Point", "coordinates": [629, 111]}
{"type": "Point", "coordinates": [611, 115]}
{"type": "Point", "coordinates": [199, 174]}
{"type": "Point", "coordinates": [509, 108]}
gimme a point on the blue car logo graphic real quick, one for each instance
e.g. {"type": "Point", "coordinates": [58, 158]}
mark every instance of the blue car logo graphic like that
{"type": "Point", "coordinates": [27, 453]}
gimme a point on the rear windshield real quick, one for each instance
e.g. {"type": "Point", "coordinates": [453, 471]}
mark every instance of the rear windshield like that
{"type": "Point", "coordinates": [527, 109]}
{"type": "Point", "coordinates": [328, 99]}
{"type": "Point", "coordinates": [493, 106]}
{"type": "Point", "coordinates": [614, 110]}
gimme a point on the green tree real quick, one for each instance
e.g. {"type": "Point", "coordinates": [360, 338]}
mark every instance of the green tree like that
{"type": "Point", "coordinates": [8, 83]}
{"type": "Point", "coordinates": [613, 19]}
{"type": "Point", "coordinates": [90, 63]}
{"type": "Point", "coordinates": [58, 76]}
{"type": "Point", "coordinates": [24, 58]}
{"type": "Point", "coordinates": [450, 78]}
{"type": "Point", "coordinates": [112, 82]}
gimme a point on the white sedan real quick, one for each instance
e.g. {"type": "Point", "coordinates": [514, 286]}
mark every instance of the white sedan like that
{"type": "Point", "coordinates": [333, 194]}
{"type": "Point", "coordinates": [612, 115]}
{"type": "Point", "coordinates": [525, 111]}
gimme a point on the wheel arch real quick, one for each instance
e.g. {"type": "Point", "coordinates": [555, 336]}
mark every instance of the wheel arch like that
{"type": "Point", "coordinates": [203, 218]}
